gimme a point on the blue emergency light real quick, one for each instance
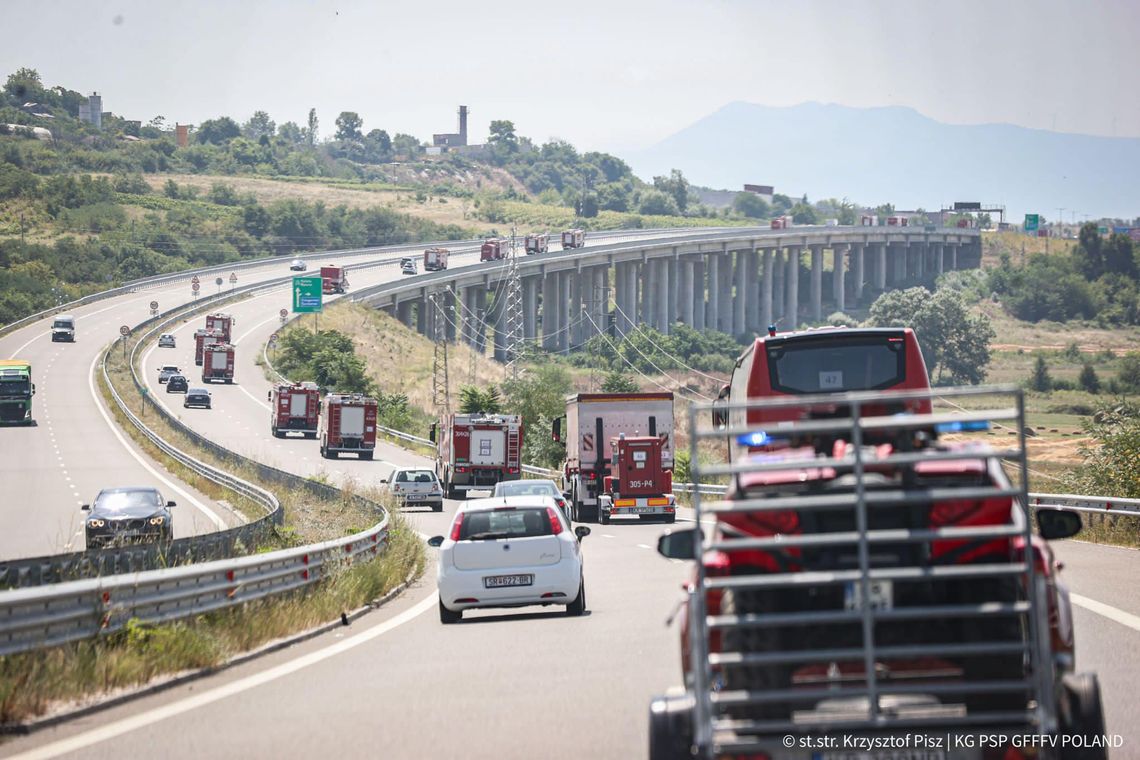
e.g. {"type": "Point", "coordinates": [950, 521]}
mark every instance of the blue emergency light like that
{"type": "Point", "coordinates": [966, 426]}
{"type": "Point", "coordinates": [755, 438]}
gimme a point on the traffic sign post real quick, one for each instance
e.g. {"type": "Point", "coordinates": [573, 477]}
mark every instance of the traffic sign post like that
{"type": "Point", "coordinates": [194, 288]}
{"type": "Point", "coordinates": [218, 282]}
{"type": "Point", "coordinates": [307, 297]}
{"type": "Point", "coordinates": [1032, 221]}
{"type": "Point", "coordinates": [153, 308]}
{"type": "Point", "coordinates": [124, 331]}
{"type": "Point", "coordinates": [233, 280]}
{"type": "Point", "coordinates": [284, 313]}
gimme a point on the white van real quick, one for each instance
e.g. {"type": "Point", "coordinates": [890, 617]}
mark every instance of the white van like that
{"type": "Point", "coordinates": [63, 328]}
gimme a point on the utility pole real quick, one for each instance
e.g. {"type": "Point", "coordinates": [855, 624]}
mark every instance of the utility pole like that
{"type": "Point", "coordinates": [440, 381]}
{"type": "Point", "coordinates": [21, 228]}
{"type": "Point", "coordinates": [514, 309]}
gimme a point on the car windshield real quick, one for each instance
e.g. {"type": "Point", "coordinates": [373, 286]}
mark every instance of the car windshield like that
{"type": "Point", "coordinates": [120, 501]}
{"type": "Point", "coordinates": [62, 323]}
{"type": "Point", "coordinates": [505, 523]}
{"type": "Point", "coordinates": [839, 364]}
{"type": "Point", "coordinates": [527, 488]}
{"type": "Point", "coordinates": [415, 476]}
{"type": "Point", "coordinates": [170, 368]}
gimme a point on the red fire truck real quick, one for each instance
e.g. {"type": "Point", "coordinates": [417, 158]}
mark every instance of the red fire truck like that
{"type": "Point", "coordinates": [573, 239]}
{"type": "Point", "coordinates": [494, 249]}
{"type": "Point", "coordinates": [476, 451]}
{"type": "Point", "coordinates": [348, 424]}
{"type": "Point", "coordinates": [781, 223]}
{"type": "Point", "coordinates": [333, 280]}
{"type": "Point", "coordinates": [223, 322]}
{"type": "Point", "coordinates": [638, 483]}
{"type": "Point", "coordinates": [435, 259]}
{"type": "Point", "coordinates": [593, 422]}
{"type": "Point", "coordinates": [203, 338]}
{"type": "Point", "coordinates": [294, 407]}
{"type": "Point", "coordinates": [537, 244]}
{"type": "Point", "coordinates": [218, 363]}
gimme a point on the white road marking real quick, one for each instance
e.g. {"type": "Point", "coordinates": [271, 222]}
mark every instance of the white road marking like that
{"type": "Point", "coordinates": [209, 513]}
{"type": "Point", "coordinates": [1105, 610]}
{"type": "Point", "coordinates": [48, 333]}
{"type": "Point", "coordinates": [644, 546]}
{"type": "Point", "coordinates": [607, 535]}
{"type": "Point", "coordinates": [174, 709]}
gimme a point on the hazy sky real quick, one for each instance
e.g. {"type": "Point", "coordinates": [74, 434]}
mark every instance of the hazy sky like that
{"type": "Point", "coordinates": [609, 75]}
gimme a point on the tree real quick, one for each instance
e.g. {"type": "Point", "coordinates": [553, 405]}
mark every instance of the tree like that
{"type": "Point", "coordinates": [657, 202]}
{"type": "Point", "coordinates": [291, 133]}
{"type": "Point", "coordinates": [675, 186]}
{"type": "Point", "coordinates": [1129, 375]}
{"type": "Point", "coordinates": [1088, 379]}
{"type": "Point", "coordinates": [780, 204]}
{"type": "Point", "coordinates": [405, 145]}
{"type": "Point", "coordinates": [953, 342]}
{"type": "Point", "coordinates": [1089, 256]}
{"type": "Point", "coordinates": [311, 129]}
{"type": "Point", "coordinates": [503, 141]}
{"type": "Point", "coordinates": [1040, 379]}
{"type": "Point", "coordinates": [846, 213]}
{"type": "Point", "coordinates": [751, 205]}
{"type": "Point", "coordinates": [258, 126]}
{"type": "Point", "coordinates": [619, 382]}
{"type": "Point", "coordinates": [803, 213]}
{"type": "Point", "coordinates": [217, 131]}
{"type": "Point", "coordinates": [348, 126]}
{"type": "Point", "coordinates": [1111, 466]}
{"type": "Point", "coordinates": [24, 84]}
{"type": "Point", "coordinates": [473, 400]}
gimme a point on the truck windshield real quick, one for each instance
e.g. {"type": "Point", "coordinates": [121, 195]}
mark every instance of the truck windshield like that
{"type": "Point", "coordinates": [15, 386]}
{"type": "Point", "coordinates": [64, 323]}
{"type": "Point", "coordinates": [837, 365]}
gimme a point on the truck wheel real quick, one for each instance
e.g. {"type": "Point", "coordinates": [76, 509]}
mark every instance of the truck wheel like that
{"type": "Point", "coordinates": [577, 607]}
{"type": "Point", "coordinates": [366, 456]}
{"type": "Point", "coordinates": [670, 728]}
{"type": "Point", "coordinates": [602, 516]}
{"type": "Point", "coordinates": [311, 436]}
{"type": "Point", "coordinates": [671, 517]}
{"type": "Point", "coordinates": [277, 433]}
{"type": "Point", "coordinates": [1082, 714]}
{"type": "Point", "coordinates": [324, 452]}
{"type": "Point", "coordinates": [754, 641]}
{"type": "Point", "coordinates": [447, 617]}
{"type": "Point", "coordinates": [437, 507]}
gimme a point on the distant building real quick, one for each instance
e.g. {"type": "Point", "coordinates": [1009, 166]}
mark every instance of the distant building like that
{"type": "Point", "coordinates": [453, 140]}
{"type": "Point", "coordinates": [92, 111]}
{"type": "Point", "coordinates": [182, 135]}
{"type": "Point", "coordinates": [764, 191]}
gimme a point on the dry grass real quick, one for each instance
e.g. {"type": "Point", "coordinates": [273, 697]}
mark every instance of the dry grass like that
{"type": "Point", "coordinates": [72, 675]}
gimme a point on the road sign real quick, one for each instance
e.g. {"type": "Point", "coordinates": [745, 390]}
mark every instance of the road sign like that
{"type": "Point", "coordinates": [195, 286]}
{"type": "Point", "coordinates": [273, 339]}
{"type": "Point", "coordinates": [154, 304]}
{"type": "Point", "coordinates": [194, 279]}
{"type": "Point", "coordinates": [284, 313]}
{"type": "Point", "coordinates": [967, 206]}
{"type": "Point", "coordinates": [306, 295]}
{"type": "Point", "coordinates": [233, 276]}
{"type": "Point", "coordinates": [1031, 222]}
{"type": "Point", "coordinates": [124, 331]}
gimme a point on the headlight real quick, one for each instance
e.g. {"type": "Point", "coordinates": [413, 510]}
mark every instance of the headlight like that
{"type": "Point", "coordinates": [95, 523]}
{"type": "Point", "coordinates": [157, 520]}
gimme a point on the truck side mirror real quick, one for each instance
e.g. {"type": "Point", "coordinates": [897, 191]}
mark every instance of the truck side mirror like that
{"type": "Point", "coordinates": [431, 432]}
{"type": "Point", "coordinates": [679, 544]}
{"type": "Point", "coordinates": [1058, 523]}
{"type": "Point", "coordinates": [556, 430]}
{"type": "Point", "coordinates": [85, 507]}
{"type": "Point", "coordinates": [269, 395]}
{"type": "Point", "coordinates": [33, 389]}
{"type": "Point", "coordinates": [171, 504]}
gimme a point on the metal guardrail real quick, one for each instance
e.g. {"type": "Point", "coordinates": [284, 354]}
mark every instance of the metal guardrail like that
{"type": "Point", "coordinates": [64, 612]}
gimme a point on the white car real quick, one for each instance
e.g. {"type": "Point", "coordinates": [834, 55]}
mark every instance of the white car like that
{"type": "Point", "coordinates": [512, 551]}
{"type": "Point", "coordinates": [298, 265]}
{"type": "Point", "coordinates": [408, 267]}
{"type": "Point", "coordinates": [166, 370]}
{"type": "Point", "coordinates": [533, 487]}
{"type": "Point", "coordinates": [166, 340]}
{"type": "Point", "coordinates": [416, 486]}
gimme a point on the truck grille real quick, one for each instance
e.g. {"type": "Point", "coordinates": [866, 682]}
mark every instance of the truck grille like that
{"type": "Point", "coordinates": [12, 412]}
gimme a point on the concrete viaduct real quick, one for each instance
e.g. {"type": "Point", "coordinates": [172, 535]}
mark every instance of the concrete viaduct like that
{"type": "Point", "coordinates": [736, 281]}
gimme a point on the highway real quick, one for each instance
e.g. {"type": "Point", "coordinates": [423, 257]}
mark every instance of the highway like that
{"type": "Point", "coordinates": [504, 684]}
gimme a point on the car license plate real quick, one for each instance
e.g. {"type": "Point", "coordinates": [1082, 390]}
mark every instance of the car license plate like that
{"type": "Point", "coordinates": [644, 510]}
{"type": "Point", "coordinates": [412, 497]}
{"type": "Point", "coordinates": [881, 595]}
{"type": "Point", "coordinates": [500, 581]}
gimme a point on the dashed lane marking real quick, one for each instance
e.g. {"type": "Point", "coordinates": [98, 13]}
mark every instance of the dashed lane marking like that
{"type": "Point", "coordinates": [1106, 610]}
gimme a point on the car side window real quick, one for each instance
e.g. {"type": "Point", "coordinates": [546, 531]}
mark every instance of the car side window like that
{"type": "Point", "coordinates": [402, 477]}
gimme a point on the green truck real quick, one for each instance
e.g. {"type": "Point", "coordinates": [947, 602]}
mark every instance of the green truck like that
{"type": "Point", "coordinates": [16, 391]}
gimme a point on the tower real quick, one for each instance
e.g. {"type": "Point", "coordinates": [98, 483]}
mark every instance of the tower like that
{"type": "Point", "coordinates": [462, 125]}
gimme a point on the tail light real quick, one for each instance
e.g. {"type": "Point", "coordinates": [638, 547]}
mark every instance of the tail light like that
{"type": "Point", "coordinates": [952, 512]}
{"type": "Point", "coordinates": [776, 522]}
{"type": "Point", "coordinates": [555, 522]}
{"type": "Point", "coordinates": [456, 526]}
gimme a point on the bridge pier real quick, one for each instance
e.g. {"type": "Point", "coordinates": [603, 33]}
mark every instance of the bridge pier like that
{"type": "Point", "coordinates": [662, 297]}
{"type": "Point", "coordinates": [792, 297]}
{"type": "Point", "coordinates": [696, 286]}
{"type": "Point", "coordinates": [816, 282]}
{"type": "Point", "coordinates": [752, 292]}
{"type": "Point", "coordinates": [530, 308]}
{"type": "Point", "coordinates": [780, 269]}
{"type": "Point", "coordinates": [953, 256]}
{"type": "Point", "coordinates": [565, 317]}
{"type": "Point", "coordinates": [685, 291]}
{"type": "Point", "coordinates": [857, 274]}
{"type": "Point", "coordinates": [549, 310]}
{"type": "Point", "coordinates": [766, 297]}
{"type": "Point", "coordinates": [839, 276]}
{"type": "Point", "coordinates": [712, 304]}
{"type": "Point", "coordinates": [724, 297]}
{"type": "Point", "coordinates": [673, 267]}
{"type": "Point", "coordinates": [739, 312]}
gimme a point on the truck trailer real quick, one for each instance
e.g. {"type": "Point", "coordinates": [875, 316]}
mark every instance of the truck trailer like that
{"type": "Point", "coordinates": [537, 244]}
{"type": "Point", "coordinates": [16, 391]}
{"type": "Point", "coordinates": [334, 279]}
{"type": "Point", "coordinates": [494, 249]}
{"type": "Point", "coordinates": [294, 408]}
{"type": "Point", "coordinates": [573, 239]}
{"type": "Point", "coordinates": [348, 425]}
{"type": "Point", "coordinates": [203, 338]}
{"type": "Point", "coordinates": [594, 421]}
{"type": "Point", "coordinates": [476, 451]}
{"type": "Point", "coordinates": [221, 322]}
{"type": "Point", "coordinates": [218, 363]}
{"type": "Point", "coordinates": [435, 259]}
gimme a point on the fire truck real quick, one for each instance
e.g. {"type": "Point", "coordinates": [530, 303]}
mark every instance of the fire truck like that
{"type": "Point", "coordinates": [494, 249]}
{"type": "Point", "coordinates": [476, 451]}
{"type": "Point", "coordinates": [637, 483]}
{"type": "Point", "coordinates": [537, 244]}
{"type": "Point", "coordinates": [869, 220]}
{"type": "Point", "coordinates": [294, 408]}
{"type": "Point", "coordinates": [877, 577]}
{"type": "Point", "coordinates": [333, 279]}
{"type": "Point", "coordinates": [573, 239]}
{"type": "Point", "coordinates": [435, 259]}
{"type": "Point", "coordinates": [348, 425]}
{"type": "Point", "coordinates": [594, 422]}
{"type": "Point", "coordinates": [203, 338]}
{"type": "Point", "coordinates": [781, 222]}
{"type": "Point", "coordinates": [222, 322]}
{"type": "Point", "coordinates": [218, 363]}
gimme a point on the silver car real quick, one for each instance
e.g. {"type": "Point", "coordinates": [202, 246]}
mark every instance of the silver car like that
{"type": "Point", "coordinates": [415, 486]}
{"type": "Point", "coordinates": [166, 340]}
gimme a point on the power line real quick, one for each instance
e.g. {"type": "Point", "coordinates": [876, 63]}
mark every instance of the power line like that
{"type": "Point", "coordinates": [656, 345]}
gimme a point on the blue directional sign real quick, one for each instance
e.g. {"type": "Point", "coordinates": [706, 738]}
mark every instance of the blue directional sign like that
{"type": "Point", "coordinates": [306, 295]}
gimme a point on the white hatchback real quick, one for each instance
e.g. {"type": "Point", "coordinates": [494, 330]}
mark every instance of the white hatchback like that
{"type": "Point", "coordinates": [512, 551]}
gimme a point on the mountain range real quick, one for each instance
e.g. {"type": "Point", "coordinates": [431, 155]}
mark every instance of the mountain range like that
{"type": "Point", "coordinates": [896, 155]}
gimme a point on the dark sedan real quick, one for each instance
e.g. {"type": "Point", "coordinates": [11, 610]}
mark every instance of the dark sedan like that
{"type": "Point", "coordinates": [197, 397]}
{"type": "Point", "coordinates": [177, 384]}
{"type": "Point", "coordinates": [135, 515]}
